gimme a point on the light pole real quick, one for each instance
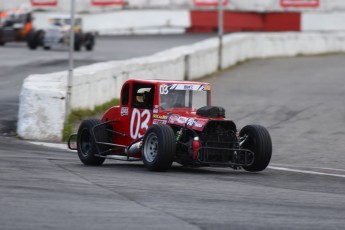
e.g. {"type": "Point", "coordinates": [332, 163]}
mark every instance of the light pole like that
{"type": "Point", "coordinates": [71, 60]}
{"type": "Point", "coordinates": [220, 32]}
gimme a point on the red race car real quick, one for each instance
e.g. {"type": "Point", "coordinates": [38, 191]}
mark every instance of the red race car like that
{"type": "Point", "coordinates": [160, 122]}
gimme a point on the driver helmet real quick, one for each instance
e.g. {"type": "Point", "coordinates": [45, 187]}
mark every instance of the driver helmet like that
{"type": "Point", "coordinates": [171, 99]}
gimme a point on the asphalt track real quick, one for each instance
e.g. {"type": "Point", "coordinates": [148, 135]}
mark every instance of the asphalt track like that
{"type": "Point", "coordinates": [300, 101]}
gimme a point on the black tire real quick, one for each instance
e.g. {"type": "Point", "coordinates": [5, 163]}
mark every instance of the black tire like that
{"type": "Point", "coordinates": [258, 141]}
{"type": "Point", "coordinates": [35, 39]}
{"type": "Point", "coordinates": [2, 43]}
{"type": "Point", "coordinates": [31, 40]}
{"type": "Point", "coordinates": [77, 42]}
{"type": "Point", "coordinates": [40, 37]}
{"type": "Point", "coordinates": [87, 149]}
{"type": "Point", "coordinates": [46, 47]}
{"type": "Point", "coordinates": [89, 41]}
{"type": "Point", "coordinates": [159, 146]}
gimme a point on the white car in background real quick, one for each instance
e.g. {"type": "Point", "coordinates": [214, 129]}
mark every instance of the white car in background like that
{"type": "Point", "coordinates": [58, 34]}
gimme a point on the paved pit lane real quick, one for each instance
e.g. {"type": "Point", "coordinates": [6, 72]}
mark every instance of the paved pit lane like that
{"type": "Point", "coordinates": [299, 100]}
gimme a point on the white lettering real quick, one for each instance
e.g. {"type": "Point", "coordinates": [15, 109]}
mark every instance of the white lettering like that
{"type": "Point", "coordinates": [137, 117]}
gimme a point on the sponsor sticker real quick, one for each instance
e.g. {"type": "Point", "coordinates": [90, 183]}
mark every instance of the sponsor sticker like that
{"type": "Point", "coordinates": [191, 122]}
{"type": "Point", "coordinates": [182, 120]}
{"type": "Point", "coordinates": [188, 87]}
{"type": "Point", "coordinates": [209, 2]}
{"type": "Point", "coordinates": [163, 117]}
{"type": "Point", "coordinates": [206, 87]}
{"type": "Point", "coordinates": [173, 118]}
{"type": "Point", "coordinates": [107, 2]}
{"type": "Point", "coordinates": [198, 125]}
{"type": "Point", "coordinates": [44, 2]}
{"type": "Point", "coordinates": [124, 111]}
{"type": "Point", "coordinates": [299, 3]}
{"type": "Point", "coordinates": [159, 121]}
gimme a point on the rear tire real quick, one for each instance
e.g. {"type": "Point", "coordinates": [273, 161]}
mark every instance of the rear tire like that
{"type": "Point", "coordinates": [258, 141]}
{"type": "Point", "coordinates": [87, 149]}
{"type": "Point", "coordinates": [35, 39]}
{"type": "Point", "coordinates": [159, 147]}
{"type": "Point", "coordinates": [89, 41]}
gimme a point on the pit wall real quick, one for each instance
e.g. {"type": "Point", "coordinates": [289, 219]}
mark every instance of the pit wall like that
{"type": "Point", "coordinates": [42, 107]}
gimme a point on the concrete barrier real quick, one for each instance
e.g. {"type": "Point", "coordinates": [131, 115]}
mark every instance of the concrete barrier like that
{"type": "Point", "coordinates": [42, 107]}
{"type": "Point", "coordinates": [42, 101]}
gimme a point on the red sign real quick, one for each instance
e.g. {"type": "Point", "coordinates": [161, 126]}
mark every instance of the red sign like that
{"type": "Point", "coordinates": [209, 2]}
{"type": "Point", "coordinates": [44, 2]}
{"type": "Point", "coordinates": [108, 2]}
{"type": "Point", "coordinates": [300, 3]}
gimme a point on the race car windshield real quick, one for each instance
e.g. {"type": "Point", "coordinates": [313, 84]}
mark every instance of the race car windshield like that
{"type": "Point", "coordinates": [182, 97]}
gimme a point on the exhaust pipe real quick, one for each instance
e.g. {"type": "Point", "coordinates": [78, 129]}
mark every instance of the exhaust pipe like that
{"type": "Point", "coordinates": [134, 149]}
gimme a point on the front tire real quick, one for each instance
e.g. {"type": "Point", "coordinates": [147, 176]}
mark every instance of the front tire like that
{"type": "Point", "coordinates": [258, 140]}
{"type": "Point", "coordinates": [87, 149]}
{"type": "Point", "coordinates": [159, 147]}
{"type": "Point", "coordinates": [77, 42]}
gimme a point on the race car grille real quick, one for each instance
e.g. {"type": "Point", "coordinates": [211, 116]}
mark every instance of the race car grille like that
{"type": "Point", "coordinates": [220, 145]}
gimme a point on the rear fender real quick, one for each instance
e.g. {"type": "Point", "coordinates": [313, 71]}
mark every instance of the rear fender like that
{"type": "Point", "coordinates": [112, 114]}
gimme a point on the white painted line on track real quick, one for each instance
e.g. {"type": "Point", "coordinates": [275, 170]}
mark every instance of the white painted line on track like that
{"type": "Point", "coordinates": [62, 146]}
{"type": "Point", "coordinates": [309, 167]}
{"type": "Point", "coordinates": [306, 172]}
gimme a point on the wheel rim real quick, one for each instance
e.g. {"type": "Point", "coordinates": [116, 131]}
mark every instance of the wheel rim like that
{"type": "Point", "coordinates": [151, 147]}
{"type": "Point", "coordinates": [85, 142]}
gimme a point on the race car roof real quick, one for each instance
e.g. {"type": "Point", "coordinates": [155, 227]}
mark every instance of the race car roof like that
{"type": "Point", "coordinates": [168, 82]}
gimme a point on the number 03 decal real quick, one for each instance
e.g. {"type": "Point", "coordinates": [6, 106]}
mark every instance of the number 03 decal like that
{"type": "Point", "coordinates": [163, 89]}
{"type": "Point", "coordinates": [139, 122]}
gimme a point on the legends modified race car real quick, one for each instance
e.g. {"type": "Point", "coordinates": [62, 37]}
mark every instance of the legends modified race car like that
{"type": "Point", "coordinates": [161, 122]}
{"type": "Point", "coordinates": [58, 34]}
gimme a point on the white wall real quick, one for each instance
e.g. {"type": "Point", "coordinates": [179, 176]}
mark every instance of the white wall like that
{"type": "Point", "coordinates": [240, 5]}
{"type": "Point", "coordinates": [316, 21]}
{"type": "Point", "coordinates": [128, 22]}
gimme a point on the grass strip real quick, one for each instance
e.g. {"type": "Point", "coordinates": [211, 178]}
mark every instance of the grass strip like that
{"type": "Point", "coordinates": [78, 116]}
